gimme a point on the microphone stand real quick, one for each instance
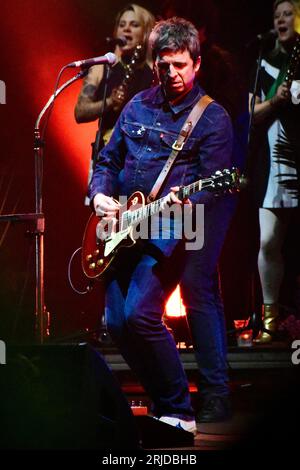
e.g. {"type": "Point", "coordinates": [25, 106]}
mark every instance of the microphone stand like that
{"type": "Point", "coordinates": [255, 320]}
{"type": "Point", "coordinates": [258, 68]}
{"type": "Point", "coordinates": [42, 317]}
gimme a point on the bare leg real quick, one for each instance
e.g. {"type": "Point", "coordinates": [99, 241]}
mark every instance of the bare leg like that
{"type": "Point", "coordinates": [273, 225]}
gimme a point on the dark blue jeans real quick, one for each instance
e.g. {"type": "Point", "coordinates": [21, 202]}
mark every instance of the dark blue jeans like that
{"type": "Point", "coordinates": [135, 299]}
{"type": "Point", "coordinates": [201, 295]}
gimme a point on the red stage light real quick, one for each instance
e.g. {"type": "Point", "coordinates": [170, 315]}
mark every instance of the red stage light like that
{"type": "Point", "coordinates": [39, 38]}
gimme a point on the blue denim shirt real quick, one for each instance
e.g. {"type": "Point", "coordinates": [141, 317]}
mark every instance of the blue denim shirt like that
{"type": "Point", "coordinates": [142, 142]}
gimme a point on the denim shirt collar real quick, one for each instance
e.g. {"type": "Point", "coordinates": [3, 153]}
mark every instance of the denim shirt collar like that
{"type": "Point", "coordinates": [189, 100]}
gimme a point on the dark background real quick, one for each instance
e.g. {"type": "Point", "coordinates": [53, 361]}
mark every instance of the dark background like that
{"type": "Point", "coordinates": [37, 39]}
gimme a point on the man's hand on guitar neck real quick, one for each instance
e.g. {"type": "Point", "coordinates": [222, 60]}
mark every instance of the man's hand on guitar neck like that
{"type": "Point", "coordinates": [171, 198]}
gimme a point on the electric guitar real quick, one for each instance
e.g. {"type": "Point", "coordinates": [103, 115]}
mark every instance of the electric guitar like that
{"type": "Point", "coordinates": [100, 245]}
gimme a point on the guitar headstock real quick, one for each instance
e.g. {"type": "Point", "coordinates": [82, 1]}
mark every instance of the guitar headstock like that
{"type": "Point", "coordinates": [227, 180]}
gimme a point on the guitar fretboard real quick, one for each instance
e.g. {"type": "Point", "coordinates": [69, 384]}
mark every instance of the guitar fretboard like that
{"type": "Point", "coordinates": [136, 216]}
{"type": "Point", "coordinates": [293, 63]}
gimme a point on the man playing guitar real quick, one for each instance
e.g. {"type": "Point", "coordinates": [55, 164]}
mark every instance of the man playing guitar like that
{"type": "Point", "coordinates": [144, 276]}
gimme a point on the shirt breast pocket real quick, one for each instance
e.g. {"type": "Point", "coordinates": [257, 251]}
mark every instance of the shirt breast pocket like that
{"type": "Point", "coordinates": [135, 135]}
{"type": "Point", "coordinates": [189, 150]}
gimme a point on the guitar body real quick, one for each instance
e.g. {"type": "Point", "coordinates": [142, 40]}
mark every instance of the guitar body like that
{"type": "Point", "coordinates": [99, 250]}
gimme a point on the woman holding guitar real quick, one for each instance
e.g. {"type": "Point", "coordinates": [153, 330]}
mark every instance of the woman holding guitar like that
{"type": "Point", "coordinates": [131, 74]}
{"type": "Point", "coordinates": [277, 155]}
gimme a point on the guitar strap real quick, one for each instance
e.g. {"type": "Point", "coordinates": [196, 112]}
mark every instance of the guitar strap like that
{"type": "Point", "coordinates": [184, 133]}
{"type": "Point", "coordinates": [279, 80]}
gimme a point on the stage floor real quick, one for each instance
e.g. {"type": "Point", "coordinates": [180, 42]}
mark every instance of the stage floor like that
{"type": "Point", "coordinates": [273, 356]}
{"type": "Point", "coordinates": [263, 383]}
{"type": "Point", "coordinates": [62, 379]}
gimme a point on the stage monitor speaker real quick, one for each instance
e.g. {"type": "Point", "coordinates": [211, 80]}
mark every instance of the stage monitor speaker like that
{"type": "Point", "coordinates": [62, 397]}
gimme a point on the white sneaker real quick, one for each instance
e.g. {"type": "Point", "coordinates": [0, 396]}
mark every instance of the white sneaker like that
{"type": "Point", "coordinates": [189, 426]}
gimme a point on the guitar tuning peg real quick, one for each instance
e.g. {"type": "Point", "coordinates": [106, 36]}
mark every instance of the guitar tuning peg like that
{"type": "Point", "coordinates": [218, 173]}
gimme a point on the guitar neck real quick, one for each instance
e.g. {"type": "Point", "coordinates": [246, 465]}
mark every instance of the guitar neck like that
{"type": "Point", "coordinates": [156, 206]}
{"type": "Point", "coordinates": [130, 68]}
{"type": "Point", "coordinates": [293, 63]}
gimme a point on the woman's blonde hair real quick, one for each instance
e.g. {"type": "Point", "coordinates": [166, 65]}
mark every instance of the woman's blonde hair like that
{"type": "Point", "coordinates": [296, 5]}
{"type": "Point", "coordinates": [147, 21]}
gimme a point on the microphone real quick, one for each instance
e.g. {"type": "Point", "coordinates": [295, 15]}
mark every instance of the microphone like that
{"type": "Point", "coordinates": [108, 58]}
{"type": "Point", "coordinates": [264, 38]}
{"type": "Point", "coordinates": [120, 41]}
{"type": "Point", "coordinates": [271, 34]}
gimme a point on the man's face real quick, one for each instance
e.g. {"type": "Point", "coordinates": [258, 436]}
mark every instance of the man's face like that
{"type": "Point", "coordinates": [284, 21]}
{"type": "Point", "coordinates": [176, 72]}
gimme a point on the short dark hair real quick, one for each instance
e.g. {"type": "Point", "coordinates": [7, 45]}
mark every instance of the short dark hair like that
{"type": "Point", "coordinates": [175, 34]}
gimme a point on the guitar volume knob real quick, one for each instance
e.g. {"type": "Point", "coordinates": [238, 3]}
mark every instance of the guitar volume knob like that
{"type": "Point", "coordinates": [100, 262]}
{"type": "Point", "coordinates": [89, 257]}
{"type": "Point", "coordinates": [92, 266]}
